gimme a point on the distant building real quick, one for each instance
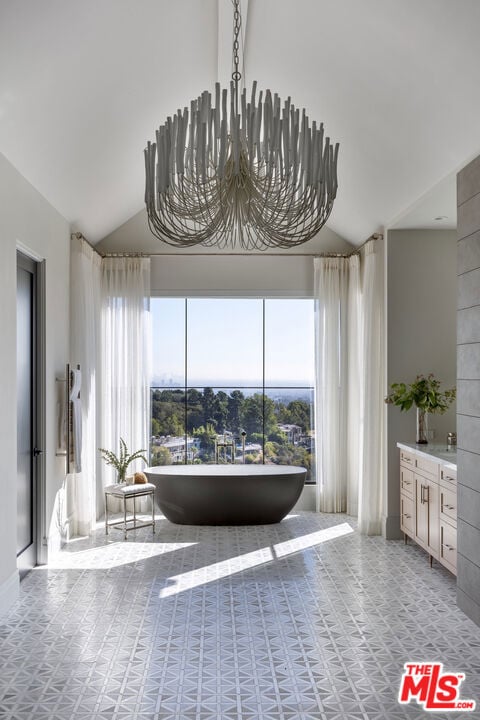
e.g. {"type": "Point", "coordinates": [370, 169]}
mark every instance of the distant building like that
{"type": "Point", "coordinates": [293, 433]}
{"type": "Point", "coordinates": [179, 451]}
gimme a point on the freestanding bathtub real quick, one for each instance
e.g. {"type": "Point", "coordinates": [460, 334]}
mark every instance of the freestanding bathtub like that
{"type": "Point", "coordinates": [226, 494]}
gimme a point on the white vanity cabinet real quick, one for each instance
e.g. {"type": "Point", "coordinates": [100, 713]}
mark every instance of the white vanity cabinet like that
{"type": "Point", "coordinates": [428, 500]}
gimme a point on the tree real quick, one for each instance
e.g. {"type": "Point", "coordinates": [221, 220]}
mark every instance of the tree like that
{"type": "Point", "coordinates": [155, 427]}
{"type": "Point", "coordinates": [194, 397]}
{"type": "Point", "coordinates": [220, 411]}
{"type": "Point", "coordinates": [208, 406]}
{"type": "Point", "coordinates": [258, 412]}
{"type": "Point", "coordinates": [206, 434]}
{"type": "Point", "coordinates": [281, 412]}
{"type": "Point", "coordinates": [168, 410]}
{"type": "Point", "coordinates": [270, 451]}
{"type": "Point", "coordinates": [194, 418]}
{"type": "Point", "coordinates": [234, 411]}
{"type": "Point", "coordinates": [161, 456]}
{"type": "Point", "coordinates": [278, 436]}
{"type": "Point", "coordinates": [252, 414]}
{"type": "Point", "coordinates": [299, 413]}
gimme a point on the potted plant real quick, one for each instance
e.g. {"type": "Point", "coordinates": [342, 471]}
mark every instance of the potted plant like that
{"type": "Point", "coordinates": [122, 461]}
{"type": "Point", "coordinates": [425, 394]}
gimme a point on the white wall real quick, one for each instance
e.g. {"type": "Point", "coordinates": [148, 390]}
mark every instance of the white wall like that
{"type": "Point", "coordinates": [26, 219]}
{"type": "Point", "coordinates": [421, 272]}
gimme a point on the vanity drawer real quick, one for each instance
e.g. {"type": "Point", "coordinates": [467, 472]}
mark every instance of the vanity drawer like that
{"type": "Point", "coordinates": [448, 547]}
{"type": "Point", "coordinates": [407, 459]}
{"type": "Point", "coordinates": [448, 505]}
{"type": "Point", "coordinates": [406, 515]}
{"type": "Point", "coordinates": [406, 481]}
{"type": "Point", "coordinates": [448, 478]}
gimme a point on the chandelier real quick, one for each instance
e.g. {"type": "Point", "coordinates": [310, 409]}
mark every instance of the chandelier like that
{"type": "Point", "coordinates": [249, 173]}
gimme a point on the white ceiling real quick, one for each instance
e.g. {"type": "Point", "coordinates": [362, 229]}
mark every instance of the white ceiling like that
{"type": "Point", "coordinates": [83, 85]}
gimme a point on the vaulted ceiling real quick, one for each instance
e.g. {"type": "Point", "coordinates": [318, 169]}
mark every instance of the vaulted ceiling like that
{"type": "Point", "coordinates": [83, 85]}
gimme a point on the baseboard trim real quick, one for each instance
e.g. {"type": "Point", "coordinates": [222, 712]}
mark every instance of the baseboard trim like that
{"type": "Point", "coordinates": [9, 592]}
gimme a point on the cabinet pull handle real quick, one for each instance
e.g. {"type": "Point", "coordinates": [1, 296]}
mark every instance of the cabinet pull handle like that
{"type": "Point", "coordinates": [449, 507]}
{"type": "Point", "coordinates": [448, 547]}
{"type": "Point", "coordinates": [406, 459]}
{"type": "Point", "coordinates": [424, 499]}
{"type": "Point", "coordinates": [407, 482]}
{"type": "Point", "coordinates": [450, 479]}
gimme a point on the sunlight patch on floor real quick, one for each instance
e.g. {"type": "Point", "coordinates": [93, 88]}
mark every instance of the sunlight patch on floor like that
{"type": "Point", "coordinates": [112, 555]}
{"type": "Point", "coordinates": [305, 541]}
{"type": "Point", "coordinates": [231, 566]}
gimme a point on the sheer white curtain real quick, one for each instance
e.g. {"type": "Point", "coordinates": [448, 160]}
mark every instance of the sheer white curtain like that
{"type": "Point", "coordinates": [331, 401]}
{"type": "Point", "coordinates": [85, 278]}
{"type": "Point", "coordinates": [353, 350]}
{"type": "Point", "coordinates": [372, 403]}
{"type": "Point", "coordinates": [125, 337]}
{"type": "Point", "coordinates": [349, 384]}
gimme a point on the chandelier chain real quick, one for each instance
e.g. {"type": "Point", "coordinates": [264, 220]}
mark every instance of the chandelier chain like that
{"type": "Point", "coordinates": [237, 24]}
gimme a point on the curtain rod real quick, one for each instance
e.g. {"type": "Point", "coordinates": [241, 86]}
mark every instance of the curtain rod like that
{"type": "Point", "coordinates": [80, 236]}
{"type": "Point", "coordinates": [357, 251]}
{"type": "Point", "coordinates": [375, 236]}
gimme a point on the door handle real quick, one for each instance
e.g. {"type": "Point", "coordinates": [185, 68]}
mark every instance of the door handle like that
{"type": "Point", "coordinates": [37, 452]}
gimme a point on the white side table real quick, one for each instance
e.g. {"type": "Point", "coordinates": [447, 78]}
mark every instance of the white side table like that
{"type": "Point", "coordinates": [124, 493]}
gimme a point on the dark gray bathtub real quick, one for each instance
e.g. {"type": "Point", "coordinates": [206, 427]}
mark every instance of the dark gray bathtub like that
{"type": "Point", "coordinates": [226, 494]}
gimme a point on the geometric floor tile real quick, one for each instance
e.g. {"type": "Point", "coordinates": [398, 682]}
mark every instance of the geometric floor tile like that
{"type": "Point", "coordinates": [302, 620]}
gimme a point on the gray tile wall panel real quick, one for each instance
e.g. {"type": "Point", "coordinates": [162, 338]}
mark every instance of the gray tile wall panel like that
{"type": "Point", "coordinates": [469, 606]}
{"type": "Point", "coordinates": [469, 253]}
{"type": "Point", "coordinates": [469, 289]}
{"type": "Point", "coordinates": [468, 397]}
{"type": "Point", "coordinates": [467, 216]}
{"type": "Point", "coordinates": [469, 507]}
{"type": "Point", "coordinates": [468, 386]}
{"type": "Point", "coordinates": [468, 181]}
{"type": "Point", "coordinates": [470, 574]}
{"type": "Point", "coordinates": [468, 325]}
{"type": "Point", "coordinates": [469, 541]}
{"type": "Point", "coordinates": [469, 470]}
{"type": "Point", "coordinates": [468, 429]}
{"type": "Point", "coordinates": [468, 361]}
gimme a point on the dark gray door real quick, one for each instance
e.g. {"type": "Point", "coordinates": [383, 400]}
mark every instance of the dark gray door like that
{"type": "Point", "coordinates": [27, 451]}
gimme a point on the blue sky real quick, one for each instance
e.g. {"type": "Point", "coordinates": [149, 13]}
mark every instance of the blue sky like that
{"type": "Point", "coordinates": [225, 338]}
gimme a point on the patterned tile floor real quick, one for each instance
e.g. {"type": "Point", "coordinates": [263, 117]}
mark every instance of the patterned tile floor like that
{"type": "Point", "coordinates": [305, 620]}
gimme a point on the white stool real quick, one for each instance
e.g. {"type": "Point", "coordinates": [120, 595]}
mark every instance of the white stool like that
{"type": "Point", "coordinates": [124, 493]}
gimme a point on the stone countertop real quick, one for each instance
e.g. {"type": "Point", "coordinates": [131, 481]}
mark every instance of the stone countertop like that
{"type": "Point", "coordinates": [432, 452]}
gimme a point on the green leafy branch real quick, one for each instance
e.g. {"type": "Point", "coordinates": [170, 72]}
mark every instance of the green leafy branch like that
{"type": "Point", "coordinates": [423, 393]}
{"type": "Point", "coordinates": [122, 461]}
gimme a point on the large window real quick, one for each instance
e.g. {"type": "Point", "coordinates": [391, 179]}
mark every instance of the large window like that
{"type": "Point", "coordinates": [233, 380]}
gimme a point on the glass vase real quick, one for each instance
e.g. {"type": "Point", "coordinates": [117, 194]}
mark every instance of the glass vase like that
{"type": "Point", "coordinates": [422, 427]}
